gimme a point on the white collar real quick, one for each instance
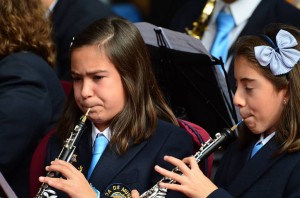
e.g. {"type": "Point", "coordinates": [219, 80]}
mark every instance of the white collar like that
{"type": "Point", "coordinates": [51, 7]}
{"type": "Point", "coordinates": [264, 139]}
{"type": "Point", "coordinates": [95, 131]}
{"type": "Point", "coordinates": [237, 9]}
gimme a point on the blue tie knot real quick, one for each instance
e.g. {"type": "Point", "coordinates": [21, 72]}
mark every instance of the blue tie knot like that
{"type": "Point", "coordinates": [256, 148]}
{"type": "Point", "coordinates": [100, 144]}
{"type": "Point", "coordinates": [225, 22]}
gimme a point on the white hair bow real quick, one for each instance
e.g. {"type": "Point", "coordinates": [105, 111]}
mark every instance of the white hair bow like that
{"type": "Point", "coordinates": [282, 59]}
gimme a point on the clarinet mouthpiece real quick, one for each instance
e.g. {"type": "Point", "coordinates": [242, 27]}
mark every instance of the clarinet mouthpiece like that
{"type": "Point", "coordinates": [236, 125]}
{"type": "Point", "coordinates": [85, 115]}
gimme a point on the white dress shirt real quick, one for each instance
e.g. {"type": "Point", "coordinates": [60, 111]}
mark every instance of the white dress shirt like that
{"type": "Point", "coordinates": [95, 131]}
{"type": "Point", "coordinates": [51, 7]}
{"type": "Point", "coordinates": [264, 139]}
{"type": "Point", "coordinates": [241, 11]}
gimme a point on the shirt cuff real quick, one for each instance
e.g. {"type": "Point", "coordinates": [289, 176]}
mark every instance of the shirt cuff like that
{"type": "Point", "coordinates": [97, 192]}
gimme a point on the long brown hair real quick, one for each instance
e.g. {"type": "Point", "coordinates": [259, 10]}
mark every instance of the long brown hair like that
{"type": "Point", "coordinates": [24, 27]}
{"type": "Point", "coordinates": [126, 49]}
{"type": "Point", "coordinates": [287, 131]}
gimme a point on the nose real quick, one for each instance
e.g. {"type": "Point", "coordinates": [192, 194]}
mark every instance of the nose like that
{"type": "Point", "coordinates": [238, 99]}
{"type": "Point", "coordinates": [87, 89]}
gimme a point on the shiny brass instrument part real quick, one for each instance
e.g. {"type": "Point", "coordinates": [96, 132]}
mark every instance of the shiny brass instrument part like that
{"type": "Point", "coordinates": [200, 25]}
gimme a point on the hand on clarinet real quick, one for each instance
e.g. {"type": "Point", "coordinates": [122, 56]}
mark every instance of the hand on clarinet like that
{"type": "Point", "coordinates": [193, 183]}
{"type": "Point", "coordinates": [74, 183]}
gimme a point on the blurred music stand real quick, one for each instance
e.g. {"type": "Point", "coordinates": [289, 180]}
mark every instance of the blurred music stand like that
{"type": "Point", "coordinates": [5, 189]}
{"type": "Point", "coordinates": [189, 78]}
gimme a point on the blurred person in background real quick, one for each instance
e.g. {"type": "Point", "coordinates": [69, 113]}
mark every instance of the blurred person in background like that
{"type": "Point", "coordinates": [69, 17]}
{"type": "Point", "coordinates": [31, 96]}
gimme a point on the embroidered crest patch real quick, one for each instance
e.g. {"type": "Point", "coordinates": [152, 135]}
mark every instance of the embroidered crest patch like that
{"type": "Point", "coordinates": [118, 190]}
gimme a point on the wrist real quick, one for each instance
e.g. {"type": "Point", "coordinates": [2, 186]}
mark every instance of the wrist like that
{"type": "Point", "coordinates": [96, 191]}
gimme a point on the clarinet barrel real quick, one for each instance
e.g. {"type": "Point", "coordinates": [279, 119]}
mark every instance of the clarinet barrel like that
{"type": "Point", "coordinates": [219, 141]}
{"type": "Point", "coordinates": [65, 155]}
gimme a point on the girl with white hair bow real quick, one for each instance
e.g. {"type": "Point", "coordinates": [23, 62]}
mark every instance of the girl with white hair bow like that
{"type": "Point", "coordinates": [264, 161]}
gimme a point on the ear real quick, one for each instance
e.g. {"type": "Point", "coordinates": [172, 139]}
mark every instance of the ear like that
{"type": "Point", "coordinates": [286, 95]}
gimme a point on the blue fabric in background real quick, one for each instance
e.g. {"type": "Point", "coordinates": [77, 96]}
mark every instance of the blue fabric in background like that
{"type": "Point", "coordinates": [128, 11]}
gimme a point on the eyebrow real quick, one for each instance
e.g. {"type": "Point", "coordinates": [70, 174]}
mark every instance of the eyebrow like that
{"type": "Point", "coordinates": [247, 80]}
{"type": "Point", "coordinates": [90, 72]}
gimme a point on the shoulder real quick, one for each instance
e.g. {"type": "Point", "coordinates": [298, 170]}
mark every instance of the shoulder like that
{"type": "Point", "coordinates": [168, 128]}
{"type": "Point", "coordinates": [284, 11]}
{"type": "Point", "coordinates": [293, 158]}
{"type": "Point", "coordinates": [171, 133]}
{"type": "Point", "coordinates": [28, 67]}
{"type": "Point", "coordinates": [23, 60]}
{"type": "Point", "coordinates": [22, 56]}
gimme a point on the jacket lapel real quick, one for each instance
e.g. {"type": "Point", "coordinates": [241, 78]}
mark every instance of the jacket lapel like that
{"type": "Point", "coordinates": [110, 164]}
{"type": "Point", "coordinates": [254, 168]}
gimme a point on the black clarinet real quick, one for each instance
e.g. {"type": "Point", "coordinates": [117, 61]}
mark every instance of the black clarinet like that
{"type": "Point", "coordinates": [65, 155]}
{"type": "Point", "coordinates": [205, 150]}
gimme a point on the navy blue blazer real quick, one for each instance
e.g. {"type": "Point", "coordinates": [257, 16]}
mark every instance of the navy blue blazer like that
{"type": "Point", "coordinates": [31, 102]}
{"type": "Point", "coordinates": [70, 17]}
{"type": "Point", "coordinates": [261, 176]}
{"type": "Point", "coordinates": [268, 11]}
{"type": "Point", "coordinates": [134, 169]}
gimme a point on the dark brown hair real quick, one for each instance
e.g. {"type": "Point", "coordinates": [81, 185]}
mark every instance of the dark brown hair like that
{"type": "Point", "coordinates": [287, 130]}
{"type": "Point", "coordinates": [126, 49]}
{"type": "Point", "coordinates": [24, 27]}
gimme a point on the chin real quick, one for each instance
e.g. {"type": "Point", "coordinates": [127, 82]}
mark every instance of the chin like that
{"type": "Point", "coordinates": [256, 132]}
{"type": "Point", "coordinates": [253, 129]}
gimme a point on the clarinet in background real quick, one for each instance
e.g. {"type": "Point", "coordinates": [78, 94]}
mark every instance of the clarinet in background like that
{"type": "Point", "coordinates": [65, 154]}
{"type": "Point", "coordinates": [205, 150]}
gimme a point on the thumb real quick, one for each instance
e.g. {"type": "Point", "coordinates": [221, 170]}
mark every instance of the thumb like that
{"type": "Point", "coordinates": [135, 194]}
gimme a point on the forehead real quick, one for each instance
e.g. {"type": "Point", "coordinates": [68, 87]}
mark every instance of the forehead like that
{"type": "Point", "coordinates": [246, 72]}
{"type": "Point", "coordinates": [90, 58]}
{"type": "Point", "coordinates": [243, 67]}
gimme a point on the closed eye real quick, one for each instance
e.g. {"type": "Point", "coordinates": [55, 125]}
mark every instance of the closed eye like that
{"type": "Point", "coordinates": [97, 77]}
{"type": "Point", "coordinates": [248, 89]}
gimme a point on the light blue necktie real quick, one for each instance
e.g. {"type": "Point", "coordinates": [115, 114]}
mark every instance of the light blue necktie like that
{"type": "Point", "coordinates": [256, 147]}
{"type": "Point", "coordinates": [99, 147]}
{"type": "Point", "coordinates": [220, 47]}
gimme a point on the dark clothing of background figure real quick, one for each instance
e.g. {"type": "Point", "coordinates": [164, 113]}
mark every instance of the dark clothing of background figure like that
{"type": "Point", "coordinates": [135, 168]}
{"type": "Point", "coordinates": [70, 17]}
{"type": "Point", "coordinates": [261, 176]}
{"type": "Point", "coordinates": [162, 12]}
{"type": "Point", "coordinates": [31, 102]}
{"type": "Point", "coordinates": [268, 11]}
